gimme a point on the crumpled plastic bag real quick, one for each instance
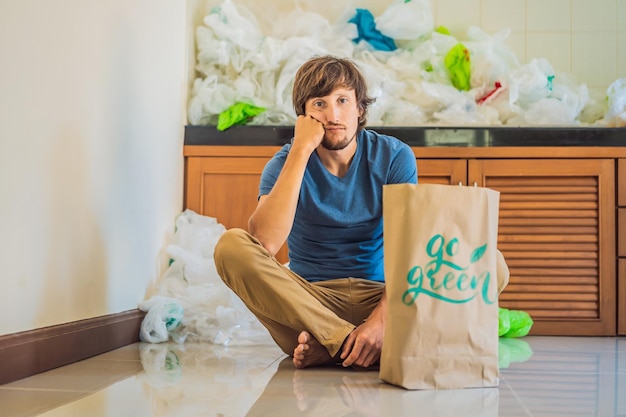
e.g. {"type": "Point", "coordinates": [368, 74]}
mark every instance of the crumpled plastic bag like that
{"type": "Point", "coordinates": [211, 312]}
{"type": "Point", "coordinates": [531, 82]}
{"type": "Point", "coordinates": [237, 114]}
{"type": "Point", "coordinates": [163, 316]}
{"type": "Point", "coordinates": [616, 93]}
{"type": "Point", "coordinates": [364, 20]}
{"type": "Point", "coordinates": [491, 59]}
{"type": "Point", "coordinates": [406, 20]}
{"type": "Point", "coordinates": [459, 66]}
{"type": "Point", "coordinates": [210, 97]}
{"type": "Point", "coordinates": [513, 323]}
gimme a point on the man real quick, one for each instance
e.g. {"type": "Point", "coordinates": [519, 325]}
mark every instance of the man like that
{"type": "Point", "coordinates": [322, 193]}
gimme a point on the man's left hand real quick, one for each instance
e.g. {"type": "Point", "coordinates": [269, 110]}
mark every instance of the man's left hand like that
{"type": "Point", "coordinates": [363, 346]}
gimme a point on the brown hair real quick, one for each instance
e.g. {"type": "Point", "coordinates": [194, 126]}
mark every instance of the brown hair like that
{"type": "Point", "coordinates": [319, 76]}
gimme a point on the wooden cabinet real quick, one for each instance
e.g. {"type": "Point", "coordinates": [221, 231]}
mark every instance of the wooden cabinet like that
{"type": "Point", "coordinates": [557, 225]}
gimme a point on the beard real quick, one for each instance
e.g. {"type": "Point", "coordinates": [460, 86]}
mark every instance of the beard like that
{"type": "Point", "coordinates": [337, 146]}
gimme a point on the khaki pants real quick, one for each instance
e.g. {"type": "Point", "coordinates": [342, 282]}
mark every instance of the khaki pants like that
{"type": "Point", "coordinates": [285, 303]}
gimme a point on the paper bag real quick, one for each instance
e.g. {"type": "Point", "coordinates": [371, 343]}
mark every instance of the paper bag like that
{"type": "Point", "coordinates": [440, 253]}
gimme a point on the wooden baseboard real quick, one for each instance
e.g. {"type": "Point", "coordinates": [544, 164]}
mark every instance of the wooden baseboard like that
{"type": "Point", "coordinates": [34, 351]}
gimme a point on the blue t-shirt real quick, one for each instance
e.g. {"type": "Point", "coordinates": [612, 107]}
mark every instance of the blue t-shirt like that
{"type": "Point", "coordinates": [338, 229]}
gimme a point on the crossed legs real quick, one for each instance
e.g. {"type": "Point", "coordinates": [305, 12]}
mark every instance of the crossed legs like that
{"type": "Point", "coordinates": [308, 321]}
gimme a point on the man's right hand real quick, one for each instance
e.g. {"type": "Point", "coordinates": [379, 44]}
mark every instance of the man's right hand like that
{"type": "Point", "coordinates": [308, 134]}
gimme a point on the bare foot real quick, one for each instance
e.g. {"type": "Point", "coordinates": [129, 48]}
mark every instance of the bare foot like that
{"type": "Point", "coordinates": [310, 352]}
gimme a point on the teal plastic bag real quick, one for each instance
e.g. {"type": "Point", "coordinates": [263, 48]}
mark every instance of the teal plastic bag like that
{"type": "Point", "coordinates": [366, 26]}
{"type": "Point", "coordinates": [237, 114]}
{"type": "Point", "coordinates": [513, 323]}
{"type": "Point", "coordinates": [458, 63]}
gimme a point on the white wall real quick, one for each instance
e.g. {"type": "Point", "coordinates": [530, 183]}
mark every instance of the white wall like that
{"type": "Point", "coordinates": [92, 109]}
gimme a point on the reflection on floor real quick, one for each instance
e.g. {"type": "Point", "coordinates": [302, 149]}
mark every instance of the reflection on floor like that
{"type": "Point", "coordinates": [540, 376]}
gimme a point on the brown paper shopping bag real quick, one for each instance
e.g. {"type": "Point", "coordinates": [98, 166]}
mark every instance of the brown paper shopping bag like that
{"type": "Point", "coordinates": [440, 272]}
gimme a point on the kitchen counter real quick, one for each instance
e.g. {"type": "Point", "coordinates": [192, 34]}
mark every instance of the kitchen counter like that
{"type": "Point", "coordinates": [426, 136]}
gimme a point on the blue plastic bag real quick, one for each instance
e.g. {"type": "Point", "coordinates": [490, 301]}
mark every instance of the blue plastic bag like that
{"type": "Point", "coordinates": [364, 20]}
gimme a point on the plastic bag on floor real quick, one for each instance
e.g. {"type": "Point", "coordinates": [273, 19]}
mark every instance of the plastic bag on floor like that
{"type": "Point", "coordinates": [191, 296]}
{"type": "Point", "coordinates": [163, 315]}
{"type": "Point", "coordinates": [513, 323]}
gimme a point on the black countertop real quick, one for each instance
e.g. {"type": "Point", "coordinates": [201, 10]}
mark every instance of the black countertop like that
{"type": "Point", "coordinates": [424, 136]}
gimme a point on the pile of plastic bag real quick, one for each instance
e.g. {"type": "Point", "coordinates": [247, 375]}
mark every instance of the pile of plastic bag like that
{"type": "Point", "coordinates": [191, 302]}
{"type": "Point", "coordinates": [419, 74]}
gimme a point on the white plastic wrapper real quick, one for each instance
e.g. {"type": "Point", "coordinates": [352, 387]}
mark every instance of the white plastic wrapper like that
{"type": "Point", "coordinates": [237, 61]}
{"type": "Point", "coordinates": [163, 315]}
{"type": "Point", "coordinates": [616, 115]}
{"type": "Point", "coordinates": [406, 20]}
{"type": "Point", "coordinates": [192, 302]}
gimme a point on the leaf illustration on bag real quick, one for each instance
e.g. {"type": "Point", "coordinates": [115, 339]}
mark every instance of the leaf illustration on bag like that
{"type": "Point", "coordinates": [478, 253]}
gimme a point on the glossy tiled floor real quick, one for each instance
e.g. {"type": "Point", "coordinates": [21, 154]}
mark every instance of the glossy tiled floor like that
{"type": "Point", "coordinates": [540, 376]}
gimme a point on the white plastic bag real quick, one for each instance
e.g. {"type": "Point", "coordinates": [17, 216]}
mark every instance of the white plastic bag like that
{"type": "Point", "coordinates": [531, 82]}
{"type": "Point", "coordinates": [406, 20]}
{"type": "Point", "coordinates": [191, 285]}
{"type": "Point", "coordinates": [210, 97]}
{"type": "Point", "coordinates": [616, 93]}
{"type": "Point", "coordinates": [163, 315]}
{"type": "Point", "coordinates": [491, 59]}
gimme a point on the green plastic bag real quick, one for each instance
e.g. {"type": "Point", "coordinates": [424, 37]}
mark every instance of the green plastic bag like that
{"type": "Point", "coordinates": [237, 114]}
{"type": "Point", "coordinates": [504, 324]}
{"type": "Point", "coordinates": [443, 30]}
{"type": "Point", "coordinates": [458, 63]}
{"type": "Point", "coordinates": [513, 323]}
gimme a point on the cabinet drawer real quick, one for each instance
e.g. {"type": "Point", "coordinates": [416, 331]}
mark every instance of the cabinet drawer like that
{"type": "Point", "coordinates": [621, 232]}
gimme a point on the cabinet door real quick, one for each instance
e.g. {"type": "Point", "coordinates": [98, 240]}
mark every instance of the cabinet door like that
{"type": "Point", "coordinates": [621, 312]}
{"type": "Point", "coordinates": [557, 233]}
{"type": "Point", "coordinates": [441, 171]}
{"type": "Point", "coordinates": [225, 188]}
